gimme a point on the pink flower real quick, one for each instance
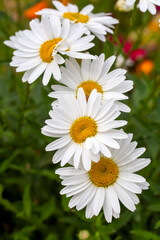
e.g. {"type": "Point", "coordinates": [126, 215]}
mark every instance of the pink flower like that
{"type": "Point", "coordinates": [138, 54]}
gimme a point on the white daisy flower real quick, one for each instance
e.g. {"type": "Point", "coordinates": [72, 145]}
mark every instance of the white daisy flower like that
{"type": "Point", "coordinates": [84, 129]}
{"type": "Point", "coordinates": [145, 5]}
{"type": "Point", "coordinates": [99, 24]}
{"type": "Point", "coordinates": [94, 75]}
{"type": "Point", "coordinates": [38, 50]}
{"type": "Point", "coordinates": [109, 181]}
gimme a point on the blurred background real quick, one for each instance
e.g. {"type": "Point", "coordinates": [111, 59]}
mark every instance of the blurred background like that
{"type": "Point", "coordinates": [31, 207]}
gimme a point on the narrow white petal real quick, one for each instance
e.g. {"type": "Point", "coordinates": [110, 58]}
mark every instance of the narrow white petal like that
{"type": "Point", "coordinates": [86, 159]}
{"type": "Point", "coordinates": [104, 150]}
{"type": "Point", "coordinates": [98, 200]}
{"type": "Point", "coordinates": [106, 140]}
{"type": "Point", "coordinates": [89, 210]}
{"type": "Point", "coordinates": [136, 165]}
{"type": "Point", "coordinates": [65, 29]}
{"type": "Point", "coordinates": [81, 98]}
{"type": "Point", "coordinates": [55, 70]}
{"type": "Point", "coordinates": [107, 208]}
{"type": "Point", "coordinates": [74, 200]}
{"type": "Point", "coordinates": [96, 67]}
{"type": "Point", "coordinates": [68, 154]}
{"type": "Point", "coordinates": [87, 9]}
{"type": "Point", "coordinates": [37, 72]}
{"type": "Point", "coordinates": [47, 75]}
{"type": "Point", "coordinates": [56, 26]}
{"type": "Point", "coordinates": [77, 156]}
{"type": "Point", "coordinates": [86, 197]}
{"type": "Point", "coordinates": [74, 180]}
{"type": "Point", "coordinates": [152, 8]}
{"type": "Point", "coordinates": [124, 197]}
{"type": "Point", "coordinates": [143, 5]}
{"type": "Point", "coordinates": [130, 2]}
{"type": "Point", "coordinates": [59, 143]}
{"type": "Point", "coordinates": [59, 6]}
{"type": "Point", "coordinates": [88, 143]}
{"type": "Point", "coordinates": [79, 189]}
{"type": "Point", "coordinates": [85, 68]}
{"type": "Point", "coordinates": [132, 187]}
{"type": "Point", "coordinates": [131, 177]}
{"type": "Point", "coordinates": [67, 171]}
{"type": "Point", "coordinates": [113, 199]}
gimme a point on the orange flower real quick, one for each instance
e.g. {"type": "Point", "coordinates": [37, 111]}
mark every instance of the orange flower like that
{"type": "Point", "coordinates": [65, 2]}
{"type": "Point", "coordinates": [146, 67]}
{"type": "Point", "coordinates": [30, 12]}
{"type": "Point", "coordinates": [154, 24]}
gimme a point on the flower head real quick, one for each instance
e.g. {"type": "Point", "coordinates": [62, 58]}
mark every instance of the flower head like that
{"type": "Point", "coordinates": [30, 13]}
{"type": "Point", "coordinates": [138, 54]}
{"type": "Point", "coordinates": [122, 7]}
{"type": "Point", "coordinates": [84, 129]}
{"type": "Point", "coordinates": [109, 181]}
{"type": "Point", "coordinates": [40, 49]}
{"type": "Point", "coordinates": [94, 75]}
{"type": "Point", "coordinates": [145, 66]}
{"type": "Point", "coordinates": [99, 24]}
{"type": "Point", "coordinates": [145, 5]}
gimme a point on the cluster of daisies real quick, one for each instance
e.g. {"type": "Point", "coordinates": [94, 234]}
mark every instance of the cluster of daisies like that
{"type": "Point", "coordinates": [101, 157]}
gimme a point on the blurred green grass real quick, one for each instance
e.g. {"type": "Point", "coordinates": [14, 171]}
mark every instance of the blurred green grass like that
{"type": "Point", "coordinates": [30, 204]}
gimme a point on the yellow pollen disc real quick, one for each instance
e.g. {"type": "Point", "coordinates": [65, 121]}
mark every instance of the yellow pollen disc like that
{"type": "Point", "coordinates": [47, 48]}
{"type": "Point", "coordinates": [82, 128]}
{"type": "Point", "coordinates": [77, 17]}
{"type": "Point", "coordinates": [88, 86]}
{"type": "Point", "coordinates": [104, 173]}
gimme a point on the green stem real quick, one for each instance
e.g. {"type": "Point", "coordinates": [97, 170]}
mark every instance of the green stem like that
{"type": "Point", "coordinates": [24, 107]}
{"type": "Point", "coordinates": [133, 15]}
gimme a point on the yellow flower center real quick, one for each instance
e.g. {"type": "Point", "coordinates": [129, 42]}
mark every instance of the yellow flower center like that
{"type": "Point", "coordinates": [104, 173]}
{"type": "Point", "coordinates": [77, 17]}
{"type": "Point", "coordinates": [47, 48]}
{"type": "Point", "coordinates": [82, 128]}
{"type": "Point", "coordinates": [88, 86]}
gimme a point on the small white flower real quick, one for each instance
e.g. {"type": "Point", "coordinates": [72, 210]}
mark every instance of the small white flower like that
{"type": "Point", "coordinates": [122, 61]}
{"type": "Point", "coordinates": [94, 75]}
{"type": "Point", "coordinates": [121, 6]}
{"type": "Point", "coordinates": [84, 129]}
{"type": "Point", "coordinates": [109, 181]}
{"type": "Point", "coordinates": [145, 5]}
{"type": "Point", "coordinates": [39, 50]}
{"type": "Point", "coordinates": [99, 24]}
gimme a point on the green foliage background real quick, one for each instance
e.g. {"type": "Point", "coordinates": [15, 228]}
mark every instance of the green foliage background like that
{"type": "Point", "coordinates": [30, 205]}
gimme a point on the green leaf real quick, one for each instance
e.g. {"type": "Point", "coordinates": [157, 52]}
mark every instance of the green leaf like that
{"type": "Point", "coordinates": [1, 190]}
{"type": "Point", "coordinates": [24, 233]}
{"type": "Point", "coordinates": [47, 209]}
{"type": "Point", "coordinates": [145, 234]}
{"type": "Point", "coordinates": [5, 164]}
{"type": "Point", "coordinates": [154, 208]}
{"type": "Point", "coordinates": [157, 225]}
{"type": "Point", "coordinates": [27, 201]}
{"type": "Point", "coordinates": [4, 202]}
{"type": "Point", "coordinates": [52, 237]}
